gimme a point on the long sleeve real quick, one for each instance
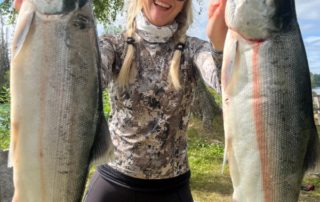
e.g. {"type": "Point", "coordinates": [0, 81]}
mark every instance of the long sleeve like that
{"type": "Point", "coordinates": [208, 63]}
{"type": "Point", "coordinates": [107, 52]}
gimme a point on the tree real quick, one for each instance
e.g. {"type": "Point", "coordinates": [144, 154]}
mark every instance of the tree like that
{"type": "Point", "coordinates": [105, 10]}
{"type": "Point", "coordinates": [6, 10]}
{"type": "Point", "coordinates": [4, 57]}
{"type": "Point", "coordinates": [315, 80]}
{"type": "Point", "coordinates": [207, 109]}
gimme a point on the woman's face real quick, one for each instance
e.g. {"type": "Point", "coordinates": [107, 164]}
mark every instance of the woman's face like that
{"type": "Point", "coordinates": [162, 12]}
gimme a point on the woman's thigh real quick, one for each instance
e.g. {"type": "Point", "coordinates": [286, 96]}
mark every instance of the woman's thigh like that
{"type": "Point", "coordinates": [182, 194]}
{"type": "Point", "coordinates": [101, 190]}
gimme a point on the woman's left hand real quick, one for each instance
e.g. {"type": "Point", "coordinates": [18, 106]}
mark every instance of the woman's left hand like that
{"type": "Point", "coordinates": [17, 4]}
{"type": "Point", "coordinates": [217, 28]}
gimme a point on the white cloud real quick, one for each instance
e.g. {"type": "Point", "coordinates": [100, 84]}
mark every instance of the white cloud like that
{"type": "Point", "coordinates": [315, 40]}
{"type": "Point", "coordinates": [308, 9]}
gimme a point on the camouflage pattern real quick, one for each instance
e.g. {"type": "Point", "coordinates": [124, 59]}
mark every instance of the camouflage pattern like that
{"type": "Point", "coordinates": [148, 119]}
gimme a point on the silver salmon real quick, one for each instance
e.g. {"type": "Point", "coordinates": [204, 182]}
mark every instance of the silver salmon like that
{"type": "Point", "coordinates": [270, 135]}
{"type": "Point", "coordinates": [57, 122]}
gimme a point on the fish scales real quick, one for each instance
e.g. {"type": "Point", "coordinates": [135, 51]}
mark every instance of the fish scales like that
{"type": "Point", "coordinates": [55, 103]}
{"type": "Point", "coordinates": [270, 133]}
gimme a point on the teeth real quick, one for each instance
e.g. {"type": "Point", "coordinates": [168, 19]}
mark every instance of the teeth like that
{"type": "Point", "coordinates": [159, 3]}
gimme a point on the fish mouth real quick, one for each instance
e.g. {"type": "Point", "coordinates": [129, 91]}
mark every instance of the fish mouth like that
{"type": "Point", "coordinates": [162, 5]}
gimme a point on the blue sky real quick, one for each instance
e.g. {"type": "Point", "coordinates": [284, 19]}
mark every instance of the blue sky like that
{"type": "Point", "coordinates": [308, 12]}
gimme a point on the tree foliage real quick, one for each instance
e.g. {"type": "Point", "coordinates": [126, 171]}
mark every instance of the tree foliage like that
{"type": "Point", "coordinates": [105, 10]}
{"type": "Point", "coordinates": [4, 55]}
{"type": "Point", "coordinates": [315, 80]}
{"type": "Point", "coordinates": [6, 10]}
{"type": "Point", "coordinates": [4, 126]}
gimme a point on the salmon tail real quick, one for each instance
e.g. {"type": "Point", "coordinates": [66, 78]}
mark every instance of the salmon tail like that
{"type": "Point", "coordinates": [224, 162]}
{"type": "Point", "coordinates": [102, 150]}
{"type": "Point", "coordinates": [311, 160]}
{"type": "Point", "coordinates": [10, 157]}
{"type": "Point", "coordinates": [224, 157]}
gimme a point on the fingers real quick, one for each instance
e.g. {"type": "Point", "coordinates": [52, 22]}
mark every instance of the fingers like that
{"type": "Point", "coordinates": [214, 4]}
{"type": "Point", "coordinates": [216, 7]}
{"type": "Point", "coordinates": [217, 28]}
{"type": "Point", "coordinates": [17, 4]}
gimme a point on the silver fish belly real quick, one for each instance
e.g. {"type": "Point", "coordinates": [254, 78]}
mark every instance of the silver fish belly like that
{"type": "Point", "coordinates": [56, 98]}
{"type": "Point", "coordinates": [270, 135]}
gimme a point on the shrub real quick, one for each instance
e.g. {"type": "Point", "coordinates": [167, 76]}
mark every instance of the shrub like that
{"type": "Point", "coordinates": [106, 104]}
{"type": "Point", "coordinates": [4, 126]}
{"type": "Point", "coordinates": [4, 95]}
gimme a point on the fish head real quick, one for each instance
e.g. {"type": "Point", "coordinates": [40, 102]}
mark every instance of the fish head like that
{"type": "Point", "coordinates": [259, 19]}
{"type": "Point", "coordinates": [57, 6]}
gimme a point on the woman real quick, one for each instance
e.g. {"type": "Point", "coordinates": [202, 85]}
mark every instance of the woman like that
{"type": "Point", "coordinates": [150, 71]}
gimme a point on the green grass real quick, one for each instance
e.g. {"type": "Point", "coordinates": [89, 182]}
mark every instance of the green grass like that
{"type": "Point", "coordinates": [205, 153]}
{"type": "Point", "coordinates": [4, 126]}
{"type": "Point", "coordinates": [208, 184]}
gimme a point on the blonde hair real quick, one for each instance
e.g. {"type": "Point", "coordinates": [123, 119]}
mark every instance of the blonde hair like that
{"type": "Point", "coordinates": [184, 20]}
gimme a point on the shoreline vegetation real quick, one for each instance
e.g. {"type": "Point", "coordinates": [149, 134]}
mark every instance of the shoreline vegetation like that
{"type": "Point", "coordinates": [316, 90]}
{"type": "Point", "coordinates": [315, 80]}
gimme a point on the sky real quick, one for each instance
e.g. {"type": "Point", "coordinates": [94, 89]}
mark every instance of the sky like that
{"type": "Point", "coordinates": [308, 12]}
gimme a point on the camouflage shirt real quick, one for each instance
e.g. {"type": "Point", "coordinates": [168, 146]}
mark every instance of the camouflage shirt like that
{"type": "Point", "coordinates": [148, 119]}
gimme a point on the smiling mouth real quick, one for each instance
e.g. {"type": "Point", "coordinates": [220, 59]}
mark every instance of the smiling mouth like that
{"type": "Point", "coordinates": [161, 4]}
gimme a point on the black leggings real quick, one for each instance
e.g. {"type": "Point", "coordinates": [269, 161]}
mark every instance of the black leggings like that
{"type": "Point", "coordinates": [101, 190]}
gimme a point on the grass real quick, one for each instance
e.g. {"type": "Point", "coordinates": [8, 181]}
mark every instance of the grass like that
{"type": "Point", "coordinates": [205, 152]}
{"type": "Point", "coordinates": [4, 126]}
{"type": "Point", "coordinates": [208, 184]}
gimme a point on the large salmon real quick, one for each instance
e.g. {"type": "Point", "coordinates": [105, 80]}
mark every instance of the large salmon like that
{"type": "Point", "coordinates": [56, 106]}
{"type": "Point", "coordinates": [270, 135]}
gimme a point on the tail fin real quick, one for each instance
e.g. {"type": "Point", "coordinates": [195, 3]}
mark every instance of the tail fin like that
{"type": "Point", "coordinates": [102, 150]}
{"type": "Point", "coordinates": [312, 157]}
{"type": "Point", "coordinates": [224, 157]}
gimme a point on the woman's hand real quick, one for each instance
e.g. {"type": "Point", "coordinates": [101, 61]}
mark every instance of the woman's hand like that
{"type": "Point", "coordinates": [17, 4]}
{"type": "Point", "coordinates": [217, 28]}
